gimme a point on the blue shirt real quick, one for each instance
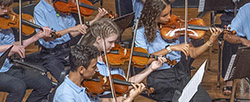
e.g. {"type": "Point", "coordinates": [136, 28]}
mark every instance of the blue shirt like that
{"type": "Point", "coordinates": [137, 8]}
{"type": "Point", "coordinates": [157, 45]}
{"type": "Point", "coordinates": [6, 38]}
{"type": "Point", "coordinates": [241, 22]}
{"type": "Point", "coordinates": [45, 15]}
{"type": "Point", "coordinates": [68, 91]}
{"type": "Point", "coordinates": [103, 70]}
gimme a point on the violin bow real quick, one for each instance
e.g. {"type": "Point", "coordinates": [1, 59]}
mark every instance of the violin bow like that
{"type": "Point", "coordinates": [186, 17]}
{"type": "Point", "coordinates": [20, 22]}
{"type": "Point", "coordinates": [20, 25]}
{"type": "Point", "coordinates": [107, 64]}
{"type": "Point", "coordinates": [132, 48]}
{"type": "Point", "coordinates": [186, 24]}
{"type": "Point", "coordinates": [80, 20]}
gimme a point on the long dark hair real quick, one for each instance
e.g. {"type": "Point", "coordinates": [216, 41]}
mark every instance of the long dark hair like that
{"type": "Point", "coordinates": [152, 9]}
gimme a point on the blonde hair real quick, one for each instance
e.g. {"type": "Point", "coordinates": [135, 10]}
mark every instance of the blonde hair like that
{"type": "Point", "coordinates": [103, 26]}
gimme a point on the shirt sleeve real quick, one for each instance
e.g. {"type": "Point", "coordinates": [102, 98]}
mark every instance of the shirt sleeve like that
{"type": "Point", "coordinates": [238, 22]}
{"type": "Point", "coordinates": [140, 39]}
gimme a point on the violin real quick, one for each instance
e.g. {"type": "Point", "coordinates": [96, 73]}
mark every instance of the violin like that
{"type": "Point", "coordinates": [119, 55]}
{"type": "Point", "coordinates": [174, 28]}
{"type": "Point", "coordinates": [11, 20]}
{"type": "Point", "coordinates": [86, 8]}
{"type": "Point", "coordinates": [99, 84]}
{"type": "Point", "coordinates": [68, 6]}
{"type": "Point", "coordinates": [33, 25]}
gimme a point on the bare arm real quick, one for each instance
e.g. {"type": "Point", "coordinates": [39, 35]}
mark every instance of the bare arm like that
{"type": "Point", "coordinates": [45, 33]}
{"type": "Point", "coordinates": [194, 52]}
{"type": "Point", "coordinates": [236, 39]}
{"type": "Point", "coordinates": [153, 66]}
{"type": "Point", "coordinates": [4, 47]}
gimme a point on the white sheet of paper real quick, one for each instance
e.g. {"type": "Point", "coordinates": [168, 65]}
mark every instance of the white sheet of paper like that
{"type": "Point", "coordinates": [192, 86]}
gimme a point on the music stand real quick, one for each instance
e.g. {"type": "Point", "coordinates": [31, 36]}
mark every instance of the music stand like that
{"type": "Point", "coordinates": [124, 21]}
{"type": "Point", "coordinates": [240, 69]}
{"type": "Point", "coordinates": [4, 56]}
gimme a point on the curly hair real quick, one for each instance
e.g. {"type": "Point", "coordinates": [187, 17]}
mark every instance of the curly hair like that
{"type": "Point", "coordinates": [6, 3]}
{"type": "Point", "coordinates": [152, 9]}
{"type": "Point", "coordinates": [81, 55]}
{"type": "Point", "coordinates": [101, 26]}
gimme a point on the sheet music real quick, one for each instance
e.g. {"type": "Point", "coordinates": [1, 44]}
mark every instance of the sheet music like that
{"type": "Point", "coordinates": [201, 6]}
{"type": "Point", "coordinates": [192, 86]}
{"type": "Point", "coordinates": [229, 68]}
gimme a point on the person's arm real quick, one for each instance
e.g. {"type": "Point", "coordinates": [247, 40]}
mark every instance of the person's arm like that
{"type": "Point", "coordinates": [196, 51]}
{"type": "Point", "coordinates": [236, 40]}
{"type": "Point", "coordinates": [81, 29]}
{"type": "Point", "coordinates": [143, 74]}
{"type": "Point", "coordinates": [45, 33]}
{"type": "Point", "coordinates": [15, 49]}
{"type": "Point", "coordinates": [74, 31]}
{"type": "Point", "coordinates": [4, 47]}
{"type": "Point", "coordinates": [101, 13]}
{"type": "Point", "coordinates": [137, 89]}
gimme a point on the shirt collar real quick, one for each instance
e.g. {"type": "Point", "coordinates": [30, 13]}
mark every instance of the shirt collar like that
{"type": "Point", "coordinates": [73, 85]}
{"type": "Point", "coordinates": [47, 6]}
{"type": "Point", "coordinates": [101, 63]}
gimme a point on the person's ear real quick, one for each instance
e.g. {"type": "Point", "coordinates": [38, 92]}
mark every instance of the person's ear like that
{"type": "Point", "coordinates": [81, 69]}
{"type": "Point", "coordinates": [98, 39]}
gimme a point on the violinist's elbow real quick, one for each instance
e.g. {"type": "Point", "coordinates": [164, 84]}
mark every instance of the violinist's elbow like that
{"type": "Point", "coordinates": [193, 54]}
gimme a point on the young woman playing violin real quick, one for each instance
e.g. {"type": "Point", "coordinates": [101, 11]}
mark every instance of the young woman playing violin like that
{"type": "Point", "coordinates": [166, 80]}
{"type": "Point", "coordinates": [54, 53]}
{"type": "Point", "coordinates": [83, 62]}
{"type": "Point", "coordinates": [14, 79]}
{"type": "Point", "coordinates": [110, 32]}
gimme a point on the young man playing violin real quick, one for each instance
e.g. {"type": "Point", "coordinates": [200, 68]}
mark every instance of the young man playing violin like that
{"type": "Point", "coordinates": [13, 79]}
{"type": "Point", "coordinates": [83, 60]}
{"type": "Point", "coordinates": [167, 79]}
{"type": "Point", "coordinates": [55, 53]}
{"type": "Point", "coordinates": [240, 24]}
{"type": "Point", "coordinates": [107, 29]}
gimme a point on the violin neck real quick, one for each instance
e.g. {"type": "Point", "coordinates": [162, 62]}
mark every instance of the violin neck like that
{"type": "Point", "coordinates": [135, 53]}
{"type": "Point", "coordinates": [25, 22]}
{"type": "Point", "coordinates": [122, 82]}
{"type": "Point", "coordinates": [197, 27]}
{"type": "Point", "coordinates": [88, 6]}
{"type": "Point", "coordinates": [115, 81]}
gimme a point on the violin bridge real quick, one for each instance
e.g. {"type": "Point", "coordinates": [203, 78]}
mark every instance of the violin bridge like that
{"type": "Point", "coordinates": [125, 52]}
{"type": "Point", "coordinates": [105, 79]}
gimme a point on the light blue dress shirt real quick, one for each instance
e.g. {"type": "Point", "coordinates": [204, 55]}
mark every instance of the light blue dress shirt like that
{"type": "Point", "coordinates": [6, 38]}
{"type": "Point", "coordinates": [241, 22]}
{"type": "Point", "coordinates": [68, 91]}
{"type": "Point", "coordinates": [157, 45]}
{"type": "Point", "coordinates": [103, 70]}
{"type": "Point", "coordinates": [137, 8]}
{"type": "Point", "coordinates": [45, 15]}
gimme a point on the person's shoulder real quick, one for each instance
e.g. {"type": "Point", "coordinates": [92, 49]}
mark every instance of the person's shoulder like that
{"type": "Point", "coordinates": [64, 87]}
{"type": "Point", "coordinates": [140, 30]}
{"type": "Point", "coordinates": [245, 7]}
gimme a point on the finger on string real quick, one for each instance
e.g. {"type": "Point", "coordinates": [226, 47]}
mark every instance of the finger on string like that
{"type": "Point", "coordinates": [134, 85]}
